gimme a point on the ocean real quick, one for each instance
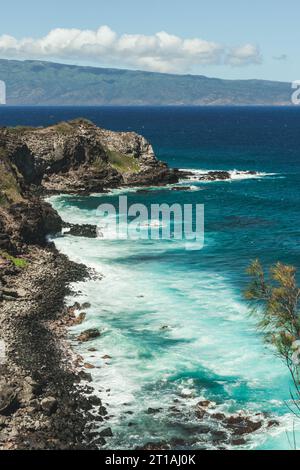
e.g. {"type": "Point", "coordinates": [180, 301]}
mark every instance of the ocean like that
{"type": "Point", "coordinates": [175, 325]}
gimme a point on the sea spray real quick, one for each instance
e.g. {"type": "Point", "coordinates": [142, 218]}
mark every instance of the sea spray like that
{"type": "Point", "coordinates": [159, 222]}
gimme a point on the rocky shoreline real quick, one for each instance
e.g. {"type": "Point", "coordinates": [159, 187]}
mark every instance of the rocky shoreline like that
{"type": "Point", "coordinates": [46, 397]}
{"type": "Point", "coordinates": [46, 400]}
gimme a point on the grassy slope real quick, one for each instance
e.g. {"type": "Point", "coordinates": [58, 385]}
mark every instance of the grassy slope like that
{"type": "Point", "coordinates": [123, 163]}
{"type": "Point", "coordinates": [34, 82]}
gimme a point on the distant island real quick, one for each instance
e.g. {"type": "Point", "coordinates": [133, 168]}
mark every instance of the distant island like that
{"type": "Point", "coordinates": [45, 83]}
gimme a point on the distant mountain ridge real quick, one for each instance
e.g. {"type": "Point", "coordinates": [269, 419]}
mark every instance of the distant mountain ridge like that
{"type": "Point", "coordinates": [47, 83]}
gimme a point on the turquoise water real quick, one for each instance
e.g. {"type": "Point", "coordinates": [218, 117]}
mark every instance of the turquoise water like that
{"type": "Point", "coordinates": [210, 349]}
{"type": "Point", "coordinates": [175, 324]}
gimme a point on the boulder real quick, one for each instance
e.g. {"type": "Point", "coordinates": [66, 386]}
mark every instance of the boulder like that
{"type": "Point", "coordinates": [202, 407]}
{"type": "Point", "coordinates": [30, 390]}
{"type": "Point", "coordinates": [88, 335]}
{"type": "Point", "coordinates": [80, 319]}
{"type": "Point", "coordinates": [87, 365]}
{"type": "Point", "coordinates": [34, 221]}
{"type": "Point", "coordinates": [153, 411]}
{"type": "Point", "coordinates": [49, 405]}
{"type": "Point", "coordinates": [218, 416]}
{"type": "Point", "coordinates": [181, 188]}
{"type": "Point", "coordinates": [206, 404]}
{"type": "Point", "coordinates": [106, 433]}
{"type": "Point", "coordinates": [85, 305]}
{"type": "Point", "coordinates": [272, 423]}
{"type": "Point", "coordinates": [9, 402]}
{"type": "Point", "coordinates": [242, 424]}
{"type": "Point", "coordinates": [238, 442]}
{"type": "Point", "coordinates": [85, 230]}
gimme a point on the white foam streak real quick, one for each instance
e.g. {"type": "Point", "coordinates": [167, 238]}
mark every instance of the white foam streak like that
{"type": "Point", "coordinates": [234, 175]}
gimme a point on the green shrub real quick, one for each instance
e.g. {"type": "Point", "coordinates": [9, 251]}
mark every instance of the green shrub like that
{"type": "Point", "coordinates": [18, 262]}
{"type": "Point", "coordinates": [275, 303]}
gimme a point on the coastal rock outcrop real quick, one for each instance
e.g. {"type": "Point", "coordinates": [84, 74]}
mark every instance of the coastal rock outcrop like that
{"type": "Point", "coordinates": [84, 230]}
{"type": "Point", "coordinates": [214, 175]}
{"type": "Point", "coordinates": [78, 157]}
{"type": "Point", "coordinates": [88, 335]}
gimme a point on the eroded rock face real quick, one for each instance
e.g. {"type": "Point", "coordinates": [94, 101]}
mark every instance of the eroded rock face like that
{"type": "Point", "coordinates": [88, 335]}
{"type": "Point", "coordinates": [78, 157]}
{"type": "Point", "coordinates": [35, 220]}
{"type": "Point", "coordinates": [49, 405]}
{"type": "Point", "coordinates": [8, 399]}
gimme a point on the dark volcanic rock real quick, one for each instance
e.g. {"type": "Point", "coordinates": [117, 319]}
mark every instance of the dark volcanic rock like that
{"type": "Point", "coordinates": [181, 188]}
{"type": "Point", "coordinates": [24, 160]}
{"type": "Point", "coordinates": [49, 405]}
{"type": "Point", "coordinates": [207, 176]}
{"type": "Point", "coordinates": [241, 424]}
{"type": "Point", "coordinates": [89, 335]}
{"type": "Point", "coordinates": [8, 399]}
{"type": "Point", "coordinates": [216, 175]}
{"type": "Point", "coordinates": [156, 175]}
{"type": "Point", "coordinates": [84, 230]}
{"type": "Point", "coordinates": [155, 446]}
{"type": "Point", "coordinates": [33, 221]}
{"type": "Point", "coordinates": [79, 158]}
{"type": "Point", "coordinates": [227, 428]}
{"type": "Point", "coordinates": [153, 411]}
{"type": "Point", "coordinates": [106, 433]}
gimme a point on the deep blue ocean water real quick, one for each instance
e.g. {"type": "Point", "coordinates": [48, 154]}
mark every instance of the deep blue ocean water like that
{"type": "Point", "coordinates": [211, 348]}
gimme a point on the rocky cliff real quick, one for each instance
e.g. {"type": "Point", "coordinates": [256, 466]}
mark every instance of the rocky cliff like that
{"type": "Point", "coordinates": [78, 157]}
{"type": "Point", "coordinates": [70, 157]}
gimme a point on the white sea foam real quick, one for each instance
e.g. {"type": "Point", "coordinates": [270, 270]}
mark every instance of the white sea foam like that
{"type": "Point", "coordinates": [161, 326]}
{"type": "Point", "coordinates": [234, 175]}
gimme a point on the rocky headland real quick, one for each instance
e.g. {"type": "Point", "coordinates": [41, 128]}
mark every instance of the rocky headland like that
{"type": "Point", "coordinates": [78, 157]}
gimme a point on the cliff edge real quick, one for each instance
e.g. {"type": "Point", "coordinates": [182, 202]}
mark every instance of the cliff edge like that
{"type": "Point", "coordinates": [78, 157]}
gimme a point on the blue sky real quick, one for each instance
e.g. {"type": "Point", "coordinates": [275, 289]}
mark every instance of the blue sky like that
{"type": "Point", "coordinates": [226, 39]}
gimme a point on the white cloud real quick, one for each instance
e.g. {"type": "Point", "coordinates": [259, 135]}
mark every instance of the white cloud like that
{"type": "Point", "coordinates": [160, 52]}
{"type": "Point", "coordinates": [244, 55]}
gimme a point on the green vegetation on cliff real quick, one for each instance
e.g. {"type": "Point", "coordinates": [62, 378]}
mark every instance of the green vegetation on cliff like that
{"type": "Point", "coordinates": [123, 163]}
{"type": "Point", "coordinates": [18, 262]}
{"type": "Point", "coordinates": [9, 187]}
